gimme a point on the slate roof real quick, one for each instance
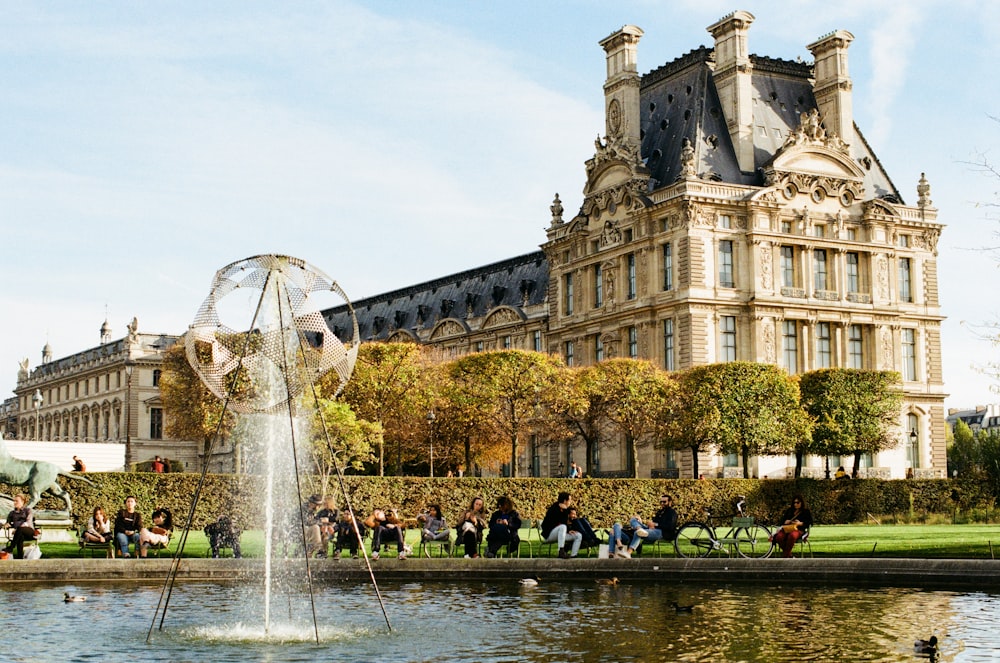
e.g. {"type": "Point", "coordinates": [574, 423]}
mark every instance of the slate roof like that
{"type": "Point", "coordinates": [516, 282]}
{"type": "Point", "coordinates": [679, 100]}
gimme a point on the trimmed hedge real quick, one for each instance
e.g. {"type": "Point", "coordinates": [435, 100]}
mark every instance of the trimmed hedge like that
{"type": "Point", "coordinates": [603, 501]}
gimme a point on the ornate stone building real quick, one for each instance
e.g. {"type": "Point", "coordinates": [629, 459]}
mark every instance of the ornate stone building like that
{"type": "Point", "coordinates": [109, 393]}
{"type": "Point", "coordinates": [732, 211]}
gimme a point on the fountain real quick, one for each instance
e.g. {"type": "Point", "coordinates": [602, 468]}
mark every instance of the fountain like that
{"type": "Point", "coordinates": [260, 344]}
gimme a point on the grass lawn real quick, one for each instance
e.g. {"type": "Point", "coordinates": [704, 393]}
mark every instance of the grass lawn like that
{"type": "Point", "coordinates": [920, 541]}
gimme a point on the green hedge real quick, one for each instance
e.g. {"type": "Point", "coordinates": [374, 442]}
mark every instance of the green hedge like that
{"type": "Point", "coordinates": [603, 501]}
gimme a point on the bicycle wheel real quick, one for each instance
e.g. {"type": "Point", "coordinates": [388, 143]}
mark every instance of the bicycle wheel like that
{"type": "Point", "coordinates": [754, 541]}
{"type": "Point", "coordinates": [694, 540]}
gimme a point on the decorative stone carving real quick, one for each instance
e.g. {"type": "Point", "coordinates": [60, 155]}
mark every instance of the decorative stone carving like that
{"type": "Point", "coordinates": [133, 331]}
{"type": "Point", "coordinates": [557, 211]}
{"type": "Point", "coordinates": [882, 277]}
{"type": "Point", "coordinates": [811, 132]}
{"type": "Point", "coordinates": [924, 192]}
{"type": "Point", "coordinates": [766, 266]}
{"type": "Point", "coordinates": [885, 342]}
{"type": "Point", "coordinates": [688, 170]}
{"type": "Point", "coordinates": [611, 235]}
{"type": "Point", "coordinates": [22, 371]}
{"type": "Point", "coordinates": [770, 353]}
{"type": "Point", "coordinates": [930, 239]}
{"type": "Point", "coordinates": [502, 316]}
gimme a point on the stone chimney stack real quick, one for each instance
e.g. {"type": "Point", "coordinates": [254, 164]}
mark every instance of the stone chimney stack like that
{"type": "Point", "coordinates": [732, 79]}
{"type": "Point", "coordinates": [832, 88]}
{"type": "Point", "coordinates": [621, 87]}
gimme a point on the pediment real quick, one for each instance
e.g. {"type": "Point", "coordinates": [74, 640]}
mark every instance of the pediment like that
{"type": "Point", "coordinates": [503, 315]}
{"type": "Point", "coordinates": [816, 160]}
{"type": "Point", "coordinates": [449, 327]}
{"type": "Point", "coordinates": [611, 175]}
{"type": "Point", "coordinates": [402, 336]}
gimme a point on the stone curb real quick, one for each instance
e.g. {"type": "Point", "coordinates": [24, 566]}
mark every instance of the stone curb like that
{"type": "Point", "coordinates": [924, 573]}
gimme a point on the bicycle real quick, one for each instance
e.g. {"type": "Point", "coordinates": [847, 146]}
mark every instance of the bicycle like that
{"type": "Point", "coordinates": [747, 537]}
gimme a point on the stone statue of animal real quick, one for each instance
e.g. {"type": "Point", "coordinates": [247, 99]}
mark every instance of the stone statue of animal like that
{"type": "Point", "coordinates": [38, 476]}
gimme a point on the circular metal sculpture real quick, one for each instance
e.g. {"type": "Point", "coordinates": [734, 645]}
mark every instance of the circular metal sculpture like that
{"type": "Point", "coordinates": [285, 347]}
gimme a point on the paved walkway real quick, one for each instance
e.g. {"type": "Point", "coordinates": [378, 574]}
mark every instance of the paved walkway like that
{"type": "Point", "coordinates": [931, 573]}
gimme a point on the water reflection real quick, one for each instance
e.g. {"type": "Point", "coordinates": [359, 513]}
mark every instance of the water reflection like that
{"type": "Point", "coordinates": [507, 622]}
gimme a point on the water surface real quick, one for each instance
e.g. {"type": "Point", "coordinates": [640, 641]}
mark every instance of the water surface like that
{"type": "Point", "coordinates": [500, 621]}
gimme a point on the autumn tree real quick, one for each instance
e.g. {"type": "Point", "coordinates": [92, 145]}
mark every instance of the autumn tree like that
{"type": "Point", "coordinates": [634, 394]}
{"type": "Point", "coordinates": [505, 389]}
{"type": "Point", "coordinates": [388, 388]}
{"type": "Point", "coordinates": [192, 411]}
{"type": "Point", "coordinates": [854, 411]}
{"type": "Point", "coordinates": [579, 408]}
{"type": "Point", "coordinates": [692, 417]}
{"type": "Point", "coordinates": [339, 440]}
{"type": "Point", "coordinates": [756, 409]}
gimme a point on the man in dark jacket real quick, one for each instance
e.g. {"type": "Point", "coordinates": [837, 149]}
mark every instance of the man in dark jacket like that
{"type": "Point", "coordinates": [555, 529]}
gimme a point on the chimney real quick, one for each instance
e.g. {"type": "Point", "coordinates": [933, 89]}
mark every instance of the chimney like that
{"type": "Point", "coordinates": [832, 88]}
{"type": "Point", "coordinates": [732, 79]}
{"type": "Point", "coordinates": [621, 88]}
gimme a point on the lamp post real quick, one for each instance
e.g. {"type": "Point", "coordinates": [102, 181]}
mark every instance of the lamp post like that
{"type": "Point", "coordinates": [430, 425]}
{"type": "Point", "coordinates": [37, 400]}
{"type": "Point", "coordinates": [914, 451]}
{"type": "Point", "coordinates": [129, 366]}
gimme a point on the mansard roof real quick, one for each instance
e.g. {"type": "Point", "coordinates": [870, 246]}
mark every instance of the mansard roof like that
{"type": "Point", "coordinates": [679, 100]}
{"type": "Point", "coordinates": [516, 283]}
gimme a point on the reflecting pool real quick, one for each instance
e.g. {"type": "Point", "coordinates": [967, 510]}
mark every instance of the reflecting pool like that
{"type": "Point", "coordinates": [500, 622]}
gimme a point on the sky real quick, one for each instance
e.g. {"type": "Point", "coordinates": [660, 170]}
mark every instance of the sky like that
{"type": "Point", "coordinates": [146, 145]}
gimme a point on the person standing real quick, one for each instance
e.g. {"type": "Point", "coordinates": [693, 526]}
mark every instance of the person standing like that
{"type": "Point", "coordinates": [128, 522]}
{"type": "Point", "coordinates": [158, 465]}
{"type": "Point", "coordinates": [795, 522]}
{"type": "Point", "coordinates": [21, 520]}
{"type": "Point", "coordinates": [555, 529]}
{"type": "Point", "coordinates": [663, 525]}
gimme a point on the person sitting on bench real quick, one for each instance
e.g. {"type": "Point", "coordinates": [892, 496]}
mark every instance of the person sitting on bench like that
{"type": "Point", "coordinates": [22, 521]}
{"type": "Point", "coordinates": [223, 533]}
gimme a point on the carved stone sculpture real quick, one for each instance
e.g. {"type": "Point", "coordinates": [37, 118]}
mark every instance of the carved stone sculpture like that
{"type": "Point", "coordinates": [38, 476]}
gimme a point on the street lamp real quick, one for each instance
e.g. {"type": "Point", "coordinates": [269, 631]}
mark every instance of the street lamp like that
{"type": "Point", "coordinates": [430, 425]}
{"type": "Point", "coordinates": [37, 400]}
{"type": "Point", "coordinates": [129, 366]}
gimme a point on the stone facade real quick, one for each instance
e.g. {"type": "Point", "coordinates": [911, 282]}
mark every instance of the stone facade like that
{"type": "Point", "coordinates": [90, 397]}
{"type": "Point", "coordinates": [732, 211]}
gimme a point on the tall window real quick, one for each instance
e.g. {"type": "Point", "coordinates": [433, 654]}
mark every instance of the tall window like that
{"type": "Point", "coordinates": [506, 342]}
{"type": "Point", "coordinates": [536, 341]}
{"type": "Point", "coordinates": [630, 262]}
{"type": "Point", "coordinates": [598, 348]}
{"type": "Point", "coordinates": [668, 344]}
{"type": "Point", "coordinates": [822, 275]}
{"type": "Point", "coordinates": [569, 353]}
{"type": "Point", "coordinates": [824, 345]}
{"type": "Point", "coordinates": [479, 346]}
{"type": "Point", "coordinates": [633, 343]}
{"type": "Point", "coordinates": [156, 423]}
{"type": "Point", "coordinates": [909, 354]}
{"type": "Point", "coordinates": [598, 287]}
{"type": "Point", "coordinates": [668, 267]}
{"type": "Point", "coordinates": [726, 278]}
{"type": "Point", "coordinates": [788, 266]}
{"type": "Point", "coordinates": [727, 338]}
{"type": "Point", "coordinates": [568, 294]}
{"type": "Point", "coordinates": [855, 347]}
{"type": "Point", "coordinates": [853, 273]}
{"type": "Point", "coordinates": [790, 345]}
{"type": "Point", "coordinates": [905, 284]}
{"type": "Point", "coordinates": [725, 221]}
{"type": "Point", "coordinates": [156, 377]}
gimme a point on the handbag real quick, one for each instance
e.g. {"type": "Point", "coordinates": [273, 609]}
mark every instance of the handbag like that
{"type": "Point", "coordinates": [788, 529]}
{"type": "Point", "coordinates": [33, 552]}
